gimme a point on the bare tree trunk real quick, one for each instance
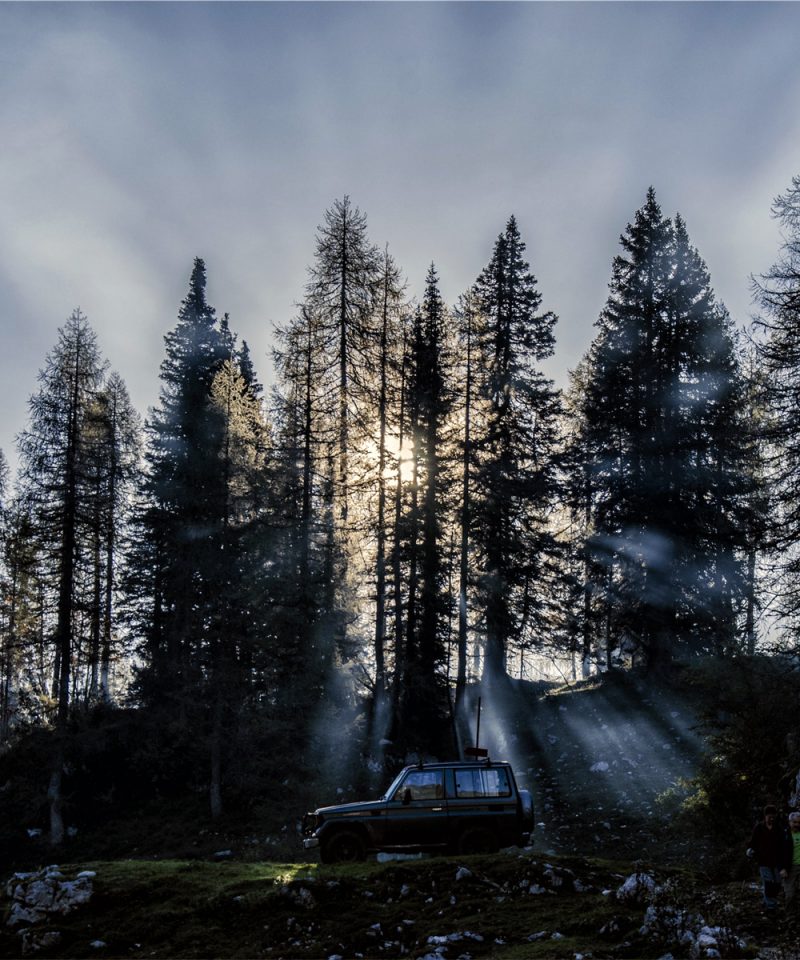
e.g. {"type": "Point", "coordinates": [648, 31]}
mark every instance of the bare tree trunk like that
{"type": "Point", "coordinates": [96, 614]}
{"type": "Point", "coordinates": [215, 788]}
{"type": "Point", "coordinates": [380, 563]}
{"type": "Point", "coordinates": [55, 798]}
{"type": "Point", "coordinates": [397, 572]}
{"type": "Point", "coordinates": [65, 603]}
{"type": "Point", "coordinates": [750, 595]}
{"type": "Point", "coordinates": [105, 647]}
{"type": "Point", "coordinates": [463, 584]}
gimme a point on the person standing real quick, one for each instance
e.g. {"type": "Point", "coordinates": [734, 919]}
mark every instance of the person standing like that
{"type": "Point", "coordinates": [792, 880]}
{"type": "Point", "coordinates": [770, 846]}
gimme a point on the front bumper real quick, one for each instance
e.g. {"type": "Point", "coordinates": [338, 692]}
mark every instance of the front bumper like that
{"type": "Point", "coordinates": [310, 843]}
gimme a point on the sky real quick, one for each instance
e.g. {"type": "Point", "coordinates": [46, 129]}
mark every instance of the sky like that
{"type": "Point", "coordinates": [138, 136]}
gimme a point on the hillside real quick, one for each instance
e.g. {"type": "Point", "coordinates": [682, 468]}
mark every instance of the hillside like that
{"type": "Point", "coordinates": [610, 763]}
{"type": "Point", "coordinates": [514, 905]}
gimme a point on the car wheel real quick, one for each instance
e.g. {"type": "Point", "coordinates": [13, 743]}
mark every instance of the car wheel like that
{"type": "Point", "coordinates": [478, 840]}
{"type": "Point", "coordinates": [345, 846]}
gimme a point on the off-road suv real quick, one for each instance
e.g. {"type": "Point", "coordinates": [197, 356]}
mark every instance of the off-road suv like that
{"type": "Point", "coordinates": [464, 807]}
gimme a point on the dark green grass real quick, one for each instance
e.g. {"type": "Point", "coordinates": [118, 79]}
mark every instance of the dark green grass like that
{"type": "Point", "coordinates": [199, 909]}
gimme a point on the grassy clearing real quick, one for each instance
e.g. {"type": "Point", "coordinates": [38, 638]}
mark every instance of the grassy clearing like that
{"type": "Point", "coordinates": [508, 906]}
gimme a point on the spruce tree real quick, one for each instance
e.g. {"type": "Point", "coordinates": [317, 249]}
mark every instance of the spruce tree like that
{"type": "Point", "coordinates": [184, 495]}
{"type": "Point", "coordinates": [515, 452]}
{"type": "Point", "coordinates": [661, 417]}
{"type": "Point", "coordinates": [422, 700]}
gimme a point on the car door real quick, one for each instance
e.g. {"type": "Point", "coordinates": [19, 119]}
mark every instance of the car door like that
{"type": "Point", "coordinates": [483, 798]}
{"type": "Point", "coordinates": [416, 814]}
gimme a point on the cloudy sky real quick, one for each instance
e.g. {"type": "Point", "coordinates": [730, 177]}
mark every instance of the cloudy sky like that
{"type": "Point", "coordinates": [138, 136]}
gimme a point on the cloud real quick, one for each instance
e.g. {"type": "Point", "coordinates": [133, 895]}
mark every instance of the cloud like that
{"type": "Point", "coordinates": [137, 136]}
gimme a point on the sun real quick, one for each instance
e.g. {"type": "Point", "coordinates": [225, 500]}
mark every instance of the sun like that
{"type": "Point", "coordinates": [399, 458]}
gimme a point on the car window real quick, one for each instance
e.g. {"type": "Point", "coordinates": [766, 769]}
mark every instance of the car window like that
{"type": "Point", "coordinates": [423, 784]}
{"type": "Point", "coordinates": [483, 782]}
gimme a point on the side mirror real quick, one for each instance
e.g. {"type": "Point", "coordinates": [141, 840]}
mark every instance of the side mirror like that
{"type": "Point", "coordinates": [406, 796]}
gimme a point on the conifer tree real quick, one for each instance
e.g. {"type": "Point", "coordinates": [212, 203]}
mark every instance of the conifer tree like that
{"type": "Point", "coordinates": [388, 301]}
{"type": "Point", "coordinates": [55, 460]}
{"type": "Point", "coordinates": [660, 424]}
{"type": "Point", "coordinates": [467, 317]}
{"type": "Point", "coordinates": [236, 614]}
{"type": "Point", "coordinates": [341, 296]}
{"type": "Point", "coordinates": [343, 283]}
{"type": "Point", "coordinates": [114, 428]}
{"type": "Point", "coordinates": [423, 696]}
{"type": "Point", "coordinates": [778, 293]}
{"type": "Point", "coordinates": [184, 494]}
{"type": "Point", "coordinates": [25, 662]}
{"type": "Point", "coordinates": [515, 475]}
{"type": "Point", "coordinates": [305, 402]}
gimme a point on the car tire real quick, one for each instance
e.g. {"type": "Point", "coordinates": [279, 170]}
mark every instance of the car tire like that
{"type": "Point", "coordinates": [478, 840]}
{"type": "Point", "coordinates": [345, 846]}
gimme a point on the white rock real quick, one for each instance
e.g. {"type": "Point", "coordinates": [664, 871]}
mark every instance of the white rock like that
{"type": "Point", "coordinates": [462, 873]}
{"type": "Point", "coordinates": [600, 767]}
{"type": "Point", "coordinates": [72, 894]}
{"type": "Point", "coordinates": [638, 886]}
{"type": "Point", "coordinates": [34, 940]}
{"type": "Point", "coordinates": [98, 944]}
{"type": "Point", "coordinates": [19, 914]}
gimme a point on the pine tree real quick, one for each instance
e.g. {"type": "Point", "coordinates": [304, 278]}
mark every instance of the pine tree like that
{"type": "Point", "coordinates": [467, 318]}
{"type": "Point", "coordinates": [341, 296]}
{"type": "Point", "coordinates": [305, 402]}
{"type": "Point", "coordinates": [112, 442]}
{"type": "Point", "coordinates": [184, 495]}
{"type": "Point", "coordinates": [389, 299]}
{"type": "Point", "coordinates": [54, 469]}
{"type": "Point", "coordinates": [235, 614]}
{"type": "Point", "coordinates": [516, 464]}
{"type": "Point", "coordinates": [778, 293]}
{"type": "Point", "coordinates": [423, 697]}
{"type": "Point", "coordinates": [342, 288]}
{"type": "Point", "coordinates": [660, 422]}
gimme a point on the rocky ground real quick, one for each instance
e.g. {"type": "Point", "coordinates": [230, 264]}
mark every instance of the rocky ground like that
{"type": "Point", "coordinates": [512, 905]}
{"type": "Point", "coordinates": [610, 767]}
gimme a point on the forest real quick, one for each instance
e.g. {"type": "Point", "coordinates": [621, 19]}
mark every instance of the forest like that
{"type": "Point", "coordinates": [320, 577]}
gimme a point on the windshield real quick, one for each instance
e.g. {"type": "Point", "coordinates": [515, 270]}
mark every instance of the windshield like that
{"type": "Point", "coordinates": [394, 784]}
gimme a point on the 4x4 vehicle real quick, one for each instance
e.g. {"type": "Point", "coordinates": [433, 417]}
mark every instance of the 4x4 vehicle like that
{"type": "Point", "coordinates": [459, 807]}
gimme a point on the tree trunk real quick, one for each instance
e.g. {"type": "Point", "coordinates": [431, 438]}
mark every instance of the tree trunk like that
{"type": "Point", "coordinates": [215, 786]}
{"type": "Point", "coordinates": [64, 616]}
{"type": "Point", "coordinates": [463, 566]}
{"type": "Point", "coordinates": [380, 562]}
{"type": "Point", "coordinates": [750, 599]}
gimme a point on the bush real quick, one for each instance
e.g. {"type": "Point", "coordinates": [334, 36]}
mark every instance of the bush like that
{"type": "Point", "coordinates": [751, 724]}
